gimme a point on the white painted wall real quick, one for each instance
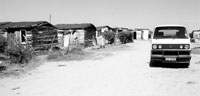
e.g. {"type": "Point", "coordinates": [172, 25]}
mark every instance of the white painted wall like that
{"type": "Point", "coordinates": [145, 34]}
{"type": "Point", "coordinates": [139, 34]}
{"type": "Point", "coordinates": [66, 40]}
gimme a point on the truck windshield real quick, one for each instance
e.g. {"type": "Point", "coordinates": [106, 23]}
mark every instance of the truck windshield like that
{"type": "Point", "coordinates": [170, 32]}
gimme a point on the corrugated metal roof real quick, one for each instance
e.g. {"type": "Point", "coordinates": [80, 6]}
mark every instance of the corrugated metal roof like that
{"type": "Point", "coordinates": [75, 26]}
{"type": "Point", "coordinates": [24, 24]}
{"type": "Point", "coordinates": [3, 23]}
{"type": "Point", "coordinates": [100, 27]}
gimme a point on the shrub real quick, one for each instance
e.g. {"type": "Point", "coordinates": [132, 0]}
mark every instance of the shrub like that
{"type": "Point", "coordinates": [20, 54]}
{"type": "Point", "coordinates": [55, 54]}
{"type": "Point", "coordinates": [110, 36]}
{"type": "Point", "coordinates": [125, 37]}
{"type": "Point", "coordinates": [76, 51]}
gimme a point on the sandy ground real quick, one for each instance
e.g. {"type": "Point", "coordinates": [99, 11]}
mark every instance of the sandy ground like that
{"type": "Point", "coordinates": [117, 71]}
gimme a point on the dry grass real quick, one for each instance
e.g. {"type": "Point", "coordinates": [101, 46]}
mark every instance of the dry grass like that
{"type": "Point", "coordinates": [10, 69]}
{"type": "Point", "coordinates": [62, 55]}
{"type": "Point", "coordinates": [83, 54]}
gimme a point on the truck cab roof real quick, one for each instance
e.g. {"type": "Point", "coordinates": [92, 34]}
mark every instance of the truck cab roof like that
{"type": "Point", "coordinates": [170, 25]}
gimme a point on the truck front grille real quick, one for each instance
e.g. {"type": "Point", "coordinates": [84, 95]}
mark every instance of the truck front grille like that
{"type": "Point", "coordinates": [171, 46]}
{"type": "Point", "coordinates": [184, 53]}
{"type": "Point", "coordinates": [170, 52]}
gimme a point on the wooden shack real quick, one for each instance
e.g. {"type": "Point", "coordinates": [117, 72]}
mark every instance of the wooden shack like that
{"type": "Point", "coordinates": [40, 35]}
{"type": "Point", "coordinates": [64, 38]}
{"type": "Point", "coordinates": [82, 34]}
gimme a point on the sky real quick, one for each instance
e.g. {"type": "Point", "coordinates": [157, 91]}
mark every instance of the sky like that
{"type": "Point", "coordinates": [115, 13]}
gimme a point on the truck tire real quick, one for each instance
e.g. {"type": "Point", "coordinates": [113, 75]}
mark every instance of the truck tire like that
{"type": "Point", "coordinates": [151, 64]}
{"type": "Point", "coordinates": [186, 65]}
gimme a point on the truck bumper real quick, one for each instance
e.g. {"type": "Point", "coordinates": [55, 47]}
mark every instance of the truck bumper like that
{"type": "Point", "coordinates": [163, 58]}
{"type": "Point", "coordinates": [179, 59]}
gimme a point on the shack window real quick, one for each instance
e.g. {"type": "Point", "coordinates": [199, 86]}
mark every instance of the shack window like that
{"type": "Point", "coordinates": [23, 34]}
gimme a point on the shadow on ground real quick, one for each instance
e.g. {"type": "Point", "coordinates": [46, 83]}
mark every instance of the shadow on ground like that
{"type": "Point", "coordinates": [109, 51]}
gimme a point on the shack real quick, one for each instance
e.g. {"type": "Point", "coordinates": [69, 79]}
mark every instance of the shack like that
{"type": "Point", "coordinates": [40, 35]}
{"type": "Point", "coordinates": [143, 33]}
{"type": "Point", "coordinates": [196, 35]}
{"type": "Point", "coordinates": [108, 33]}
{"type": "Point", "coordinates": [81, 34]}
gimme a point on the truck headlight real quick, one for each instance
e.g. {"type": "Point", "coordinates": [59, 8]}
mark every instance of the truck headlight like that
{"type": "Point", "coordinates": [187, 46]}
{"type": "Point", "coordinates": [159, 46]}
{"type": "Point", "coordinates": [181, 46]}
{"type": "Point", "coordinates": [154, 46]}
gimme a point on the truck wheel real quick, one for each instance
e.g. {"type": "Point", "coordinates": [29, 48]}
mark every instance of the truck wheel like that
{"type": "Point", "coordinates": [152, 64]}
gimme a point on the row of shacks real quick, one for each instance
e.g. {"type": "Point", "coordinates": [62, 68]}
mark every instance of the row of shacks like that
{"type": "Point", "coordinates": [41, 35]}
{"type": "Point", "coordinates": [138, 33]}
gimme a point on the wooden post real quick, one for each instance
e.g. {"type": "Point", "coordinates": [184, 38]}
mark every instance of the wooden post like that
{"type": "Point", "coordinates": [28, 43]}
{"type": "Point", "coordinates": [52, 43]}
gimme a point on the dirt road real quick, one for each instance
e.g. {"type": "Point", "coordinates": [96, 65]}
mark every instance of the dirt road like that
{"type": "Point", "coordinates": [115, 71]}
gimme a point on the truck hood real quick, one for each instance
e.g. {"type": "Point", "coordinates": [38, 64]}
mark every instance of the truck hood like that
{"type": "Point", "coordinates": [170, 41]}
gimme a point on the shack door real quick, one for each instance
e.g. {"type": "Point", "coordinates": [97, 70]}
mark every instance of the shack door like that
{"type": "Point", "coordinates": [66, 40]}
{"type": "Point", "coordinates": [135, 35]}
{"type": "Point", "coordinates": [23, 35]}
